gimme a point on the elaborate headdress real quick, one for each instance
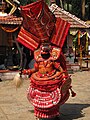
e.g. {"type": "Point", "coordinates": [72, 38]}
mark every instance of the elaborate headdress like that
{"type": "Point", "coordinates": [40, 25]}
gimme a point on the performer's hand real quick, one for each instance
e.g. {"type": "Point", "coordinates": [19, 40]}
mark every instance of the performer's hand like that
{"type": "Point", "coordinates": [26, 71]}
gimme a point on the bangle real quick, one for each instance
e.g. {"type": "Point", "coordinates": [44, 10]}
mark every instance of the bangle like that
{"type": "Point", "coordinates": [29, 71]}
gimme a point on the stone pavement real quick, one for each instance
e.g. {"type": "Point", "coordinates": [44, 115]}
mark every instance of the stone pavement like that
{"type": "Point", "coordinates": [15, 106]}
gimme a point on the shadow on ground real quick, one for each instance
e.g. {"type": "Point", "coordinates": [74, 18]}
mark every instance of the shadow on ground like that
{"type": "Point", "coordinates": [72, 111]}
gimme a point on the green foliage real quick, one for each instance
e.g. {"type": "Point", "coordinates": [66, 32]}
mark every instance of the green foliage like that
{"type": "Point", "coordinates": [77, 8]}
{"type": "Point", "coordinates": [47, 1]}
{"type": "Point", "coordinates": [25, 2]}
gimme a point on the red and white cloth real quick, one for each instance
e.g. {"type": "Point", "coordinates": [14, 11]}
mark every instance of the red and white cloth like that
{"type": "Point", "coordinates": [44, 99]}
{"type": "Point", "coordinates": [27, 39]}
{"type": "Point", "coordinates": [60, 32]}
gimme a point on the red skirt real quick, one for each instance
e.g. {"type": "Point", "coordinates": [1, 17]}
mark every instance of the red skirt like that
{"type": "Point", "coordinates": [47, 94]}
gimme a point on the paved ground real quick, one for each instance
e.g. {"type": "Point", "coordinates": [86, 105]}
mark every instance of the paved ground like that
{"type": "Point", "coordinates": [15, 106]}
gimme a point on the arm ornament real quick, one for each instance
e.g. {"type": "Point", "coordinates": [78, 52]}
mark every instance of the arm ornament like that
{"type": "Point", "coordinates": [36, 66]}
{"type": "Point", "coordinates": [57, 65]}
{"type": "Point", "coordinates": [27, 71]}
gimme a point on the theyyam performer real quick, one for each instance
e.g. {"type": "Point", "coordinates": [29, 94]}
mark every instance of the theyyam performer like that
{"type": "Point", "coordinates": [50, 83]}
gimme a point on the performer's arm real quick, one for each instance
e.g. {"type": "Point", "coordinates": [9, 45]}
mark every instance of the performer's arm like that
{"type": "Point", "coordinates": [30, 71]}
{"type": "Point", "coordinates": [58, 67]}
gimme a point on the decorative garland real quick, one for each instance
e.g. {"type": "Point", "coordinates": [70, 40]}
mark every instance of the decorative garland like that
{"type": "Point", "coordinates": [7, 29]}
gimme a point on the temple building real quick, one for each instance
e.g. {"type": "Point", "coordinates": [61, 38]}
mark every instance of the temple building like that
{"type": "Point", "coordinates": [78, 39]}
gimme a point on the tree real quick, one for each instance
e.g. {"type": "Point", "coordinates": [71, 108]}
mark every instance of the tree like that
{"type": "Point", "coordinates": [75, 7]}
{"type": "Point", "coordinates": [83, 8]}
{"type": "Point", "coordinates": [87, 10]}
{"type": "Point", "coordinates": [25, 2]}
{"type": "Point", "coordinates": [80, 8]}
{"type": "Point", "coordinates": [61, 3]}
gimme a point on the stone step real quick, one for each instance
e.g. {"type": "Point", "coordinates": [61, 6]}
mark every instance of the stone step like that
{"type": "Point", "coordinates": [9, 75]}
{"type": "Point", "coordinates": [74, 67]}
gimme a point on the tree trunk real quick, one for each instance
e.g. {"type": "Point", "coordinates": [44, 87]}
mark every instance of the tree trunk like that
{"type": "Point", "coordinates": [83, 9]}
{"type": "Point", "coordinates": [61, 3]}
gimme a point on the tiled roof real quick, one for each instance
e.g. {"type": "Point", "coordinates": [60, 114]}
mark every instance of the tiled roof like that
{"type": "Point", "coordinates": [72, 19]}
{"type": "Point", "coordinates": [11, 20]}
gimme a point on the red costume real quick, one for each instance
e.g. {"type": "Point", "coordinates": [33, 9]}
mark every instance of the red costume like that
{"type": "Point", "coordinates": [49, 84]}
{"type": "Point", "coordinates": [45, 35]}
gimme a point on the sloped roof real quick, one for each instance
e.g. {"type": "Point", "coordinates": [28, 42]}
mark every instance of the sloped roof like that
{"type": "Point", "coordinates": [72, 19]}
{"type": "Point", "coordinates": [11, 20]}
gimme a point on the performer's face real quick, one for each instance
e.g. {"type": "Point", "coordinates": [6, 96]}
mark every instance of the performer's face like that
{"type": "Point", "coordinates": [45, 56]}
{"type": "Point", "coordinates": [45, 52]}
